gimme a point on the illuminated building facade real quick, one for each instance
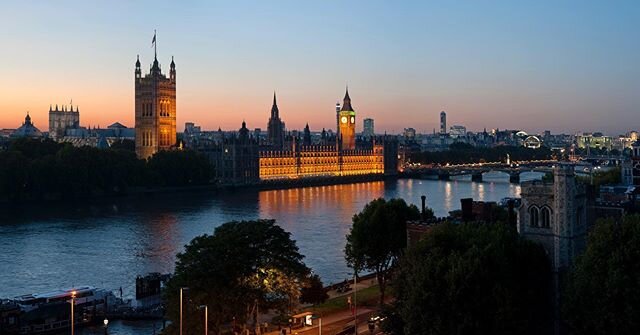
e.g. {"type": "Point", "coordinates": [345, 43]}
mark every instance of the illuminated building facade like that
{"type": "Point", "coordinates": [155, 109]}
{"type": "Point", "coordinates": [347, 124]}
{"type": "Point", "coordinates": [241, 158]}
{"type": "Point", "coordinates": [320, 161]}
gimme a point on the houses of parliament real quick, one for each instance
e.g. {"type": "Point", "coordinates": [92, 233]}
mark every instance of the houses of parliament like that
{"type": "Point", "coordinates": [244, 157]}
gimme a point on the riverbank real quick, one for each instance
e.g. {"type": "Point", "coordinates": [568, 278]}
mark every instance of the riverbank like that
{"type": "Point", "coordinates": [213, 188]}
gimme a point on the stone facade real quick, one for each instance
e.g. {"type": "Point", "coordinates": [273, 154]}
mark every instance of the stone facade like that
{"type": "Point", "coordinates": [235, 158]}
{"type": "Point", "coordinates": [62, 119]}
{"type": "Point", "coordinates": [155, 110]}
{"type": "Point", "coordinates": [556, 216]}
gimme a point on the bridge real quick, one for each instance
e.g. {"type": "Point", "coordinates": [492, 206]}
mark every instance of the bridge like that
{"type": "Point", "coordinates": [476, 170]}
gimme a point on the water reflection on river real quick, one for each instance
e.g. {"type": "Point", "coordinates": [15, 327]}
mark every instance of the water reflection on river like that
{"type": "Point", "coordinates": [108, 244]}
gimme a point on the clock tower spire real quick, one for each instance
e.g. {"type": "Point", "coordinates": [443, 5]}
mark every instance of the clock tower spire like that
{"type": "Point", "coordinates": [347, 123]}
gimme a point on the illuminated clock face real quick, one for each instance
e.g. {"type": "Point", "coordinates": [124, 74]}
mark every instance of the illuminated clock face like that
{"type": "Point", "coordinates": [353, 119]}
{"type": "Point", "coordinates": [344, 119]}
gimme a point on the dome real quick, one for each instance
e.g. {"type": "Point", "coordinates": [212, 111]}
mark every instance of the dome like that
{"type": "Point", "coordinates": [27, 130]}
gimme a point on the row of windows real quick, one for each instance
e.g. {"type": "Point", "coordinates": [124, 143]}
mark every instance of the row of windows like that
{"type": "Point", "coordinates": [164, 108]}
{"type": "Point", "coordinates": [147, 139]}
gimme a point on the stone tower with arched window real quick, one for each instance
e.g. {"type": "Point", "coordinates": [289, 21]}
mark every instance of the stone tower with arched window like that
{"type": "Point", "coordinates": [155, 108]}
{"type": "Point", "coordinates": [554, 214]}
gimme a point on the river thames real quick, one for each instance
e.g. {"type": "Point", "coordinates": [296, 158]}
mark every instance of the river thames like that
{"type": "Point", "coordinates": [107, 245]}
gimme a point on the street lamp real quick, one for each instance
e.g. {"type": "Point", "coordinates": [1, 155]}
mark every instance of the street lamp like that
{"type": "Point", "coordinates": [106, 324]}
{"type": "Point", "coordinates": [181, 290]}
{"type": "Point", "coordinates": [73, 302]}
{"type": "Point", "coordinates": [206, 318]}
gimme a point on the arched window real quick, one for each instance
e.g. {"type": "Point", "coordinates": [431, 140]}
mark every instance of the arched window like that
{"type": "Point", "coordinates": [546, 217]}
{"type": "Point", "coordinates": [533, 216]}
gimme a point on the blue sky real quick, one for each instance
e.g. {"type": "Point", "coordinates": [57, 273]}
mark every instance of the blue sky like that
{"type": "Point", "coordinates": [559, 65]}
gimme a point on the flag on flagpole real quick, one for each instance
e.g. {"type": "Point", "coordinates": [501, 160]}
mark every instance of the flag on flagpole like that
{"type": "Point", "coordinates": [153, 41]}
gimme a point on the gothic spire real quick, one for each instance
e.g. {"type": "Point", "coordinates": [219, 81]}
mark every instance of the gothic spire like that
{"type": "Point", "coordinates": [346, 104]}
{"type": "Point", "coordinates": [274, 108]}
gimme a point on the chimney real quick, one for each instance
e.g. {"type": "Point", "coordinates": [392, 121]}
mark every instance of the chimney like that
{"type": "Point", "coordinates": [424, 199]}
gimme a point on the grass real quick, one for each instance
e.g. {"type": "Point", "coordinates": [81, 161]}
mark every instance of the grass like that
{"type": "Point", "coordinates": [366, 297]}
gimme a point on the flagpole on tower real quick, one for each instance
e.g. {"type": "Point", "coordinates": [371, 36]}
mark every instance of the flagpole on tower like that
{"type": "Point", "coordinates": [155, 45]}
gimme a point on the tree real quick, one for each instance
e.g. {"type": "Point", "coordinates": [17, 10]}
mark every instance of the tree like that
{"type": "Point", "coordinates": [378, 237]}
{"type": "Point", "coordinates": [243, 268]}
{"type": "Point", "coordinates": [472, 279]}
{"type": "Point", "coordinates": [313, 292]}
{"type": "Point", "coordinates": [179, 168]}
{"type": "Point", "coordinates": [602, 294]}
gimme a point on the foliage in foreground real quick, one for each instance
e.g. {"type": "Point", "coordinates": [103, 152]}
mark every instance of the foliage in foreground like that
{"type": "Point", "coordinates": [472, 279]}
{"type": "Point", "coordinates": [602, 295]}
{"type": "Point", "coordinates": [378, 237]}
{"type": "Point", "coordinates": [242, 269]}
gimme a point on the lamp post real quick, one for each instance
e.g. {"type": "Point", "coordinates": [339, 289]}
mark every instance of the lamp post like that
{"type": "Point", "coordinates": [206, 318]}
{"type": "Point", "coordinates": [73, 302]}
{"type": "Point", "coordinates": [181, 290]}
{"type": "Point", "coordinates": [106, 324]}
{"type": "Point", "coordinates": [355, 299]}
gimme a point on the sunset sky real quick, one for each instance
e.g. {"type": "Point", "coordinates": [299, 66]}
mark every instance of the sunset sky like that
{"type": "Point", "coordinates": [533, 65]}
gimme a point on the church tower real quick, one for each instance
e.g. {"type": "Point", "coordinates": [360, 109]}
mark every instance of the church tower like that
{"type": "Point", "coordinates": [347, 124]}
{"type": "Point", "coordinates": [275, 127]}
{"type": "Point", "coordinates": [155, 109]}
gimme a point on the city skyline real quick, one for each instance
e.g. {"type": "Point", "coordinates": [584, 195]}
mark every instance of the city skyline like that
{"type": "Point", "coordinates": [564, 68]}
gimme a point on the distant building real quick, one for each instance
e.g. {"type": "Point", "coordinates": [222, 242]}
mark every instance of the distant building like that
{"type": "Point", "coordinates": [594, 141]}
{"type": "Point", "coordinates": [190, 128]}
{"type": "Point", "coordinates": [556, 216]}
{"type": "Point", "coordinates": [443, 122]}
{"type": "Point", "coordinates": [62, 119]}
{"type": "Point", "coordinates": [235, 157]}
{"type": "Point", "coordinates": [27, 130]}
{"type": "Point", "coordinates": [409, 135]}
{"type": "Point", "coordinates": [155, 109]}
{"type": "Point", "coordinates": [347, 127]}
{"type": "Point", "coordinates": [97, 137]}
{"type": "Point", "coordinates": [635, 163]}
{"type": "Point", "coordinates": [368, 130]}
{"type": "Point", "coordinates": [457, 131]}
{"type": "Point", "coordinates": [275, 127]}
{"type": "Point", "coordinates": [306, 136]}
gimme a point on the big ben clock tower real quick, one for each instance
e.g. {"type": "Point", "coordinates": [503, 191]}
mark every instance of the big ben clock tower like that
{"type": "Point", "coordinates": [347, 121]}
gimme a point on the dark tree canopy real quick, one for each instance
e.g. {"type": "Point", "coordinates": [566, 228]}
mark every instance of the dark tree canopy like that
{"type": "Point", "coordinates": [178, 168]}
{"type": "Point", "coordinates": [244, 266]}
{"type": "Point", "coordinates": [472, 279]}
{"type": "Point", "coordinates": [313, 292]}
{"type": "Point", "coordinates": [602, 295]}
{"type": "Point", "coordinates": [42, 169]}
{"type": "Point", "coordinates": [379, 236]}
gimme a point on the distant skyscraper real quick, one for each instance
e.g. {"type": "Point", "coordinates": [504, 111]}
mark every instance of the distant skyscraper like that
{"type": "Point", "coordinates": [275, 127]}
{"type": "Point", "coordinates": [347, 127]}
{"type": "Point", "coordinates": [443, 122]}
{"type": "Point", "coordinates": [155, 109]}
{"type": "Point", "coordinates": [368, 130]}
